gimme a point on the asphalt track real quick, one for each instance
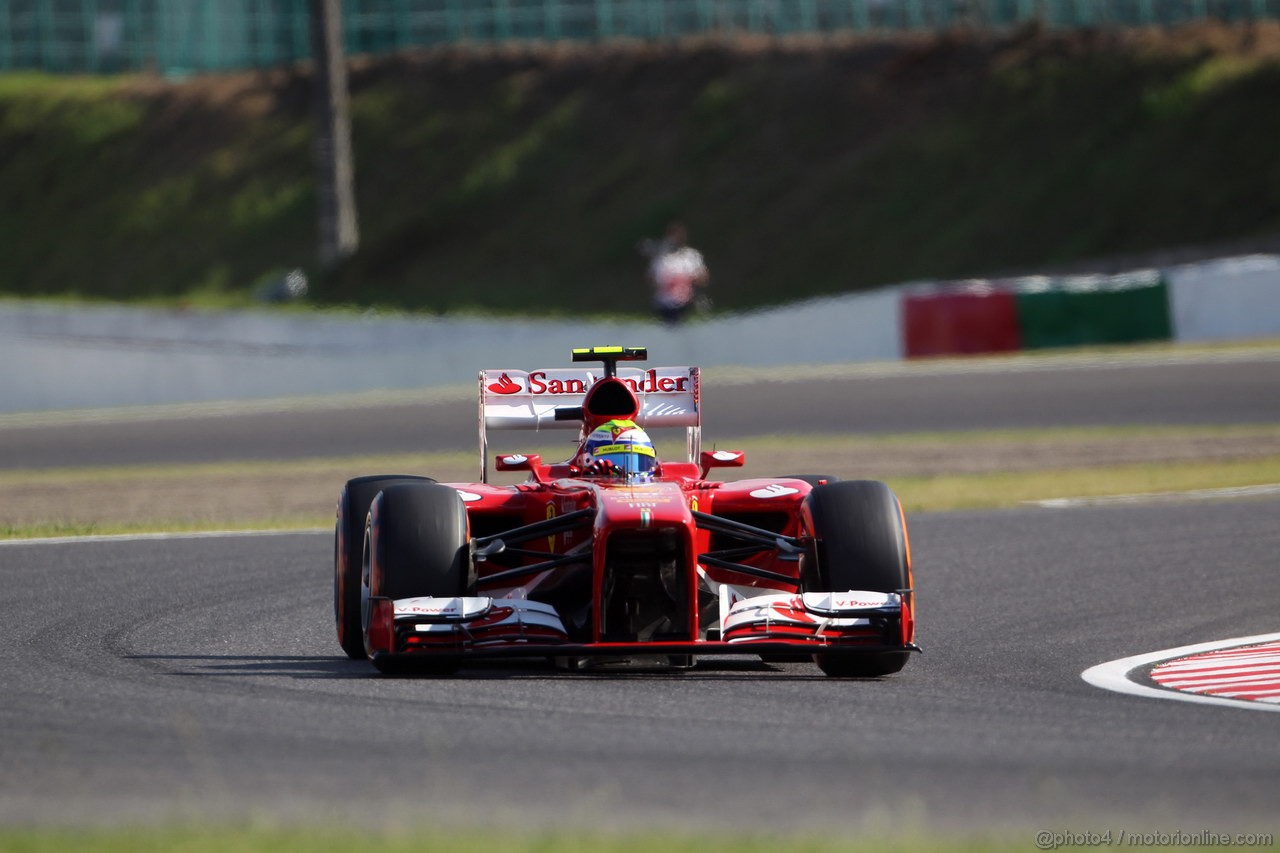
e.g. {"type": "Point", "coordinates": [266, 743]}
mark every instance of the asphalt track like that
{"type": "Point", "coordinates": [1226, 388]}
{"type": "Point", "coordinates": [198, 679]}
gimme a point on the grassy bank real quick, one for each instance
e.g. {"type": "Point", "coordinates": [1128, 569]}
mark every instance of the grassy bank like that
{"type": "Point", "coordinates": [521, 180]}
{"type": "Point", "coordinates": [315, 841]}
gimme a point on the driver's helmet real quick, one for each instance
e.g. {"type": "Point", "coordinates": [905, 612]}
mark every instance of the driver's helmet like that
{"type": "Point", "coordinates": [625, 445]}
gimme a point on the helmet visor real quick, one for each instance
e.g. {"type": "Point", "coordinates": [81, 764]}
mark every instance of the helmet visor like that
{"type": "Point", "coordinates": [630, 459]}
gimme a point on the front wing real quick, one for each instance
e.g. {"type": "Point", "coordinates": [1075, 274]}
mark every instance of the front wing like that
{"type": "Point", "coordinates": [853, 622]}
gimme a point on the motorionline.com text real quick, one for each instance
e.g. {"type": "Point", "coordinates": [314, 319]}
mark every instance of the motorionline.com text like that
{"type": "Point", "coordinates": [1053, 840]}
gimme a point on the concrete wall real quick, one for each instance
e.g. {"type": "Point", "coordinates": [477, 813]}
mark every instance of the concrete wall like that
{"type": "Point", "coordinates": [1227, 299]}
{"type": "Point", "coordinates": [81, 357]}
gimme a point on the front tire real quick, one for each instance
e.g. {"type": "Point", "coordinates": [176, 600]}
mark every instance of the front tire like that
{"type": "Point", "coordinates": [348, 545]}
{"type": "Point", "coordinates": [417, 544]}
{"type": "Point", "coordinates": [814, 480]}
{"type": "Point", "coordinates": [861, 543]}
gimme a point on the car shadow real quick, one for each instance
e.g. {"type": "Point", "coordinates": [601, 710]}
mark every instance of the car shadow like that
{"type": "Point", "coordinates": [337, 667]}
{"type": "Point", "coordinates": [292, 666]}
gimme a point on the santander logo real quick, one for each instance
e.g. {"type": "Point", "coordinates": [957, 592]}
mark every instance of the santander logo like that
{"type": "Point", "coordinates": [575, 383]}
{"type": "Point", "coordinates": [504, 385]}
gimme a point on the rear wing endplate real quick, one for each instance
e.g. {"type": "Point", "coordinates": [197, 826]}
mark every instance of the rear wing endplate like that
{"type": "Point", "coordinates": [528, 400]}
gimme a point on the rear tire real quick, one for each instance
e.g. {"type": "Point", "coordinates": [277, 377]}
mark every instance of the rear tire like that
{"type": "Point", "coordinates": [417, 545]}
{"type": "Point", "coordinates": [348, 545]}
{"type": "Point", "coordinates": [861, 544]}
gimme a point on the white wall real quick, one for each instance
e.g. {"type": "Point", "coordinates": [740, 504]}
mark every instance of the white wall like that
{"type": "Point", "coordinates": [1227, 299]}
{"type": "Point", "coordinates": [58, 357]}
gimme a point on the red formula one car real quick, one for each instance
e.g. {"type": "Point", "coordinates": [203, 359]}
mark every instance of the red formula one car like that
{"type": "Point", "coordinates": [617, 558]}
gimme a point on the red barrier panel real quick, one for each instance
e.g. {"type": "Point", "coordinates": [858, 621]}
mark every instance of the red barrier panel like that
{"type": "Point", "coordinates": [960, 322]}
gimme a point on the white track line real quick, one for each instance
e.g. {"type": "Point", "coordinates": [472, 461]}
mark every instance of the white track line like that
{"type": "Point", "coordinates": [1161, 497]}
{"type": "Point", "coordinates": [146, 537]}
{"type": "Point", "coordinates": [1113, 675]}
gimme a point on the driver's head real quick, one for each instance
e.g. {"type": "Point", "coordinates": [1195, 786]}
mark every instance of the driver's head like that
{"type": "Point", "coordinates": [676, 234]}
{"type": "Point", "coordinates": [623, 444]}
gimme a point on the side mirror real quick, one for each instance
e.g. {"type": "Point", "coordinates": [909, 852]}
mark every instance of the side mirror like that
{"type": "Point", "coordinates": [722, 459]}
{"type": "Point", "coordinates": [518, 462]}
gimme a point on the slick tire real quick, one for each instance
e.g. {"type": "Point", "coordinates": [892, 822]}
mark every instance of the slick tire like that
{"type": "Point", "coordinates": [416, 543]}
{"type": "Point", "coordinates": [861, 544]}
{"type": "Point", "coordinates": [348, 546]}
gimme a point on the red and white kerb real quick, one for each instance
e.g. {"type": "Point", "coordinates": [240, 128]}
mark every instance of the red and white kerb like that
{"type": "Point", "coordinates": [1250, 672]}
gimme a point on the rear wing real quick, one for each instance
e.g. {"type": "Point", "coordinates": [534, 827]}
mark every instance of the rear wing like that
{"type": "Point", "coordinates": [528, 400]}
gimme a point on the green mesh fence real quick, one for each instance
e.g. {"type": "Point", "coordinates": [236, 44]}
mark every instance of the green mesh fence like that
{"type": "Point", "coordinates": [183, 36]}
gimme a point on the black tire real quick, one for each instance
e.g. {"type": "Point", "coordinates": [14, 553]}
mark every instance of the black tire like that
{"type": "Point", "coordinates": [812, 479]}
{"type": "Point", "coordinates": [861, 544]}
{"type": "Point", "coordinates": [348, 546]}
{"type": "Point", "coordinates": [417, 544]}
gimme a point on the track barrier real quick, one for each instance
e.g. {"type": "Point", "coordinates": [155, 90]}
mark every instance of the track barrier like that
{"type": "Point", "coordinates": [1082, 311]}
{"type": "Point", "coordinates": [1225, 299]}
{"type": "Point", "coordinates": [960, 319]}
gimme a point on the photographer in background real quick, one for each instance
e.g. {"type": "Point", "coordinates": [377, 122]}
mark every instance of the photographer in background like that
{"type": "Point", "coordinates": [677, 273]}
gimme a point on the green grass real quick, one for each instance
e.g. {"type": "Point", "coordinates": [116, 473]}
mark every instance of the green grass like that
{"type": "Point", "coordinates": [989, 491]}
{"type": "Point", "coordinates": [57, 529]}
{"type": "Point", "coordinates": [512, 184]}
{"type": "Point", "coordinates": [473, 840]}
{"type": "Point", "coordinates": [447, 461]}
